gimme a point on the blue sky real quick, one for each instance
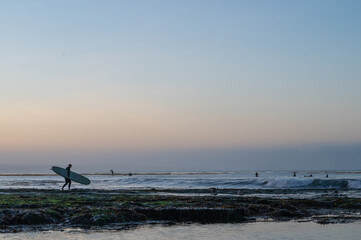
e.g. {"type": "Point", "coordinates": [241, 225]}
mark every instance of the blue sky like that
{"type": "Point", "coordinates": [160, 76]}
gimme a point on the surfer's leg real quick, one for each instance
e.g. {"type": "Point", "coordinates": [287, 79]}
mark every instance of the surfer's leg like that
{"type": "Point", "coordinates": [66, 182]}
{"type": "Point", "coordinates": [64, 185]}
{"type": "Point", "coordinates": [69, 184]}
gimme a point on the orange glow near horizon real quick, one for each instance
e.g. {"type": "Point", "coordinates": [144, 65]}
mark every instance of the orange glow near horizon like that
{"type": "Point", "coordinates": [146, 126]}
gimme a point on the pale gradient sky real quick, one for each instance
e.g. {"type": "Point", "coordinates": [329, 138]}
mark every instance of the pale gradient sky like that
{"type": "Point", "coordinates": [160, 76]}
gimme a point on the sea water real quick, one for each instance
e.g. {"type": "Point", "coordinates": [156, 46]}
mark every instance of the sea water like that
{"type": "Point", "coordinates": [345, 183]}
{"type": "Point", "coordinates": [249, 231]}
{"type": "Point", "coordinates": [278, 184]}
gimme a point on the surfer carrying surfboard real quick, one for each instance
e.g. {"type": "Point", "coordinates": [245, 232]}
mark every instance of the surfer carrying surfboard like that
{"type": "Point", "coordinates": [67, 179]}
{"type": "Point", "coordinates": [70, 176]}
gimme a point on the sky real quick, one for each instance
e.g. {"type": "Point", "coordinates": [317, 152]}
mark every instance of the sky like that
{"type": "Point", "coordinates": [180, 85]}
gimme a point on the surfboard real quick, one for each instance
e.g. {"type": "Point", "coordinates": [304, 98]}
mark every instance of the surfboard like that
{"type": "Point", "coordinates": [73, 176]}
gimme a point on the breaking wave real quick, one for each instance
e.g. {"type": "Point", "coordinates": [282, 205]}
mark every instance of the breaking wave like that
{"type": "Point", "coordinates": [289, 183]}
{"type": "Point", "coordinates": [248, 183]}
{"type": "Point", "coordinates": [354, 184]}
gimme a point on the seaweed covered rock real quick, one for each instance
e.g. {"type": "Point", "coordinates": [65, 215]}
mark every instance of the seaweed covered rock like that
{"type": "Point", "coordinates": [286, 213]}
{"type": "Point", "coordinates": [54, 214]}
{"type": "Point", "coordinates": [33, 218]}
{"type": "Point", "coordinates": [203, 215]}
{"type": "Point", "coordinates": [87, 208]}
{"type": "Point", "coordinates": [101, 219]}
{"type": "Point", "coordinates": [10, 217]}
{"type": "Point", "coordinates": [83, 219]}
{"type": "Point", "coordinates": [131, 215]}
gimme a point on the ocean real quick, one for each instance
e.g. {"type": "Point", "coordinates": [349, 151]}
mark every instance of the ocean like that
{"type": "Point", "coordinates": [268, 184]}
{"type": "Point", "coordinates": [281, 184]}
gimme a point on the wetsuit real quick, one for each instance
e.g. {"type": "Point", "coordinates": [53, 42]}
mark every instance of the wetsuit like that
{"type": "Point", "coordinates": [67, 179]}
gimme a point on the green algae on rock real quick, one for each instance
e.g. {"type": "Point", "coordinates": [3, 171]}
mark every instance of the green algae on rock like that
{"type": "Point", "coordinates": [89, 208]}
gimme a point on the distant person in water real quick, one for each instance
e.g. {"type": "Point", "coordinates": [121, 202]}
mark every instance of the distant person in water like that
{"type": "Point", "coordinates": [67, 179]}
{"type": "Point", "coordinates": [294, 174]}
{"type": "Point", "coordinates": [326, 175]}
{"type": "Point", "coordinates": [112, 172]}
{"type": "Point", "coordinates": [256, 174]}
{"type": "Point", "coordinates": [214, 191]}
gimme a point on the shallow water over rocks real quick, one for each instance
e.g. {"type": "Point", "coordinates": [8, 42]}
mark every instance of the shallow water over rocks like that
{"type": "Point", "coordinates": [249, 231]}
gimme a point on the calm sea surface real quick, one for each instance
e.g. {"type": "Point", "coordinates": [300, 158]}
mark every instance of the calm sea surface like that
{"type": "Point", "coordinates": [249, 231]}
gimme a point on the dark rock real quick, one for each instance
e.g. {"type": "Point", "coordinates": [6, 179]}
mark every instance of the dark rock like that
{"type": "Point", "coordinates": [33, 218]}
{"type": "Point", "coordinates": [284, 213]}
{"type": "Point", "coordinates": [130, 215]}
{"type": "Point", "coordinates": [10, 217]}
{"type": "Point", "coordinates": [100, 220]}
{"type": "Point", "coordinates": [289, 207]}
{"type": "Point", "coordinates": [87, 208]}
{"type": "Point", "coordinates": [240, 212]}
{"type": "Point", "coordinates": [84, 219]}
{"type": "Point", "coordinates": [254, 209]}
{"type": "Point", "coordinates": [54, 214]}
{"type": "Point", "coordinates": [203, 215]}
{"type": "Point", "coordinates": [325, 221]}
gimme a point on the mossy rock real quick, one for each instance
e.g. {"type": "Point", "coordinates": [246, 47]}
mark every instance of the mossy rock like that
{"type": "Point", "coordinates": [53, 214]}
{"type": "Point", "coordinates": [35, 218]}
{"type": "Point", "coordinates": [100, 219]}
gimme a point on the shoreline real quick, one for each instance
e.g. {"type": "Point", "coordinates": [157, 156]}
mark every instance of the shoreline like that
{"type": "Point", "coordinates": [57, 210]}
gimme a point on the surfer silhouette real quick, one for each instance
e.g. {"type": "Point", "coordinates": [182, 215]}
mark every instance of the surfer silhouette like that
{"type": "Point", "coordinates": [214, 191]}
{"type": "Point", "coordinates": [67, 179]}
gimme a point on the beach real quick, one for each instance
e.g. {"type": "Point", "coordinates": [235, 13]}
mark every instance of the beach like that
{"type": "Point", "coordinates": [41, 208]}
{"type": "Point", "coordinates": [180, 119]}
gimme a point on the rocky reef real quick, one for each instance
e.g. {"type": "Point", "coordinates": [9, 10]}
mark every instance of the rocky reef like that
{"type": "Point", "coordinates": [50, 209]}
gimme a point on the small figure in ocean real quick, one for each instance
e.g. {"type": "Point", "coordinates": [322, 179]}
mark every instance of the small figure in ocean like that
{"type": "Point", "coordinates": [256, 174]}
{"type": "Point", "coordinates": [67, 179]}
{"type": "Point", "coordinates": [112, 172]}
{"type": "Point", "coordinates": [130, 174]}
{"type": "Point", "coordinates": [326, 175]}
{"type": "Point", "coordinates": [214, 191]}
{"type": "Point", "coordinates": [294, 174]}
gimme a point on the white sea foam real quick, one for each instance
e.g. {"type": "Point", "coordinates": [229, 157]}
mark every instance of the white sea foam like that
{"type": "Point", "coordinates": [288, 183]}
{"type": "Point", "coordinates": [354, 184]}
